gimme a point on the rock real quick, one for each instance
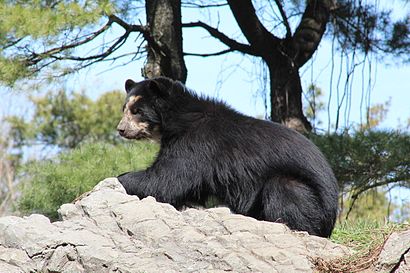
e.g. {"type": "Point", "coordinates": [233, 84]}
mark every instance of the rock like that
{"type": "Point", "coordinates": [107, 230]}
{"type": "Point", "coordinates": [395, 255]}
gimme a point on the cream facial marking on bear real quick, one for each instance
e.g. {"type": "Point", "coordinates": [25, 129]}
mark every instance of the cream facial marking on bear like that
{"type": "Point", "coordinates": [131, 101]}
{"type": "Point", "coordinates": [132, 123]}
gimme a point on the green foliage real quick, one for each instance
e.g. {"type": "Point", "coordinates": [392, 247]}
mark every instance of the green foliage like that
{"type": "Point", "coordinates": [366, 164]}
{"type": "Point", "coordinates": [91, 150]}
{"type": "Point", "coordinates": [367, 159]}
{"type": "Point", "coordinates": [68, 120]}
{"type": "Point", "coordinates": [11, 69]}
{"type": "Point", "coordinates": [46, 18]}
{"type": "Point", "coordinates": [30, 26]}
{"type": "Point", "coordinates": [51, 183]}
{"type": "Point", "coordinates": [369, 28]}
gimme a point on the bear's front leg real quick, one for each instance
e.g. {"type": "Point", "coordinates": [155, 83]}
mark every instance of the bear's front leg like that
{"type": "Point", "coordinates": [133, 182]}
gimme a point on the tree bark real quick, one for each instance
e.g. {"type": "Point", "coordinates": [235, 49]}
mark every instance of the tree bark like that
{"type": "Point", "coordinates": [286, 95]}
{"type": "Point", "coordinates": [165, 57]}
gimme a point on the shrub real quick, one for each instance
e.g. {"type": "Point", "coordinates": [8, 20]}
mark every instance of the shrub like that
{"type": "Point", "coordinates": [51, 183]}
{"type": "Point", "coordinates": [367, 164]}
{"type": "Point", "coordinates": [367, 159]}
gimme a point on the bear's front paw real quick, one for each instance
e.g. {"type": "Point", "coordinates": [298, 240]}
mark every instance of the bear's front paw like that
{"type": "Point", "coordinates": [132, 182]}
{"type": "Point", "coordinates": [125, 181]}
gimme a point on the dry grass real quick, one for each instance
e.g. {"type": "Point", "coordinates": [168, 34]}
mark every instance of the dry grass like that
{"type": "Point", "coordinates": [366, 239]}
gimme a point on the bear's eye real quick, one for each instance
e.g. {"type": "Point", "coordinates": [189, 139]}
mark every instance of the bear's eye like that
{"type": "Point", "coordinates": [137, 111]}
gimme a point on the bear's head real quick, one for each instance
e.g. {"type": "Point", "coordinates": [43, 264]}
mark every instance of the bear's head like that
{"type": "Point", "coordinates": [141, 118]}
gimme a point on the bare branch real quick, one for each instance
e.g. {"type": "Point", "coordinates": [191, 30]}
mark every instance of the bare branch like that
{"type": "Point", "coordinates": [121, 40]}
{"type": "Point", "coordinates": [12, 43]}
{"type": "Point", "coordinates": [112, 19]}
{"type": "Point", "coordinates": [209, 54]}
{"type": "Point", "coordinates": [138, 55]}
{"type": "Point", "coordinates": [256, 34]}
{"type": "Point", "coordinates": [285, 18]}
{"type": "Point", "coordinates": [128, 27]}
{"type": "Point", "coordinates": [194, 5]}
{"type": "Point", "coordinates": [232, 44]}
{"type": "Point", "coordinates": [38, 60]}
{"type": "Point", "coordinates": [37, 57]}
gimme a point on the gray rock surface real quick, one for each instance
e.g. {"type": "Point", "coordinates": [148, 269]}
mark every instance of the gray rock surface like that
{"type": "Point", "coordinates": [107, 230]}
{"type": "Point", "coordinates": [395, 255]}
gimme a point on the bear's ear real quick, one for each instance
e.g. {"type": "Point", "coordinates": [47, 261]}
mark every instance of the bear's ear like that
{"type": "Point", "coordinates": [157, 88]}
{"type": "Point", "coordinates": [129, 84]}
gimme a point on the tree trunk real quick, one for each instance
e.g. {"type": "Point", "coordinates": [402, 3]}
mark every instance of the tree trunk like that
{"type": "Point", "coordinates": [286, 94]}
{"type": "Point", "coordinates": [165, 56]}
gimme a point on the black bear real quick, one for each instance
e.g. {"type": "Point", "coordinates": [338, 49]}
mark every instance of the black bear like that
{"type": "Point", "coordinates": [257, 168]}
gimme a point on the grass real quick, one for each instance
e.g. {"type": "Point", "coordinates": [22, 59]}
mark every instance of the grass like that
{"type": "Point", "coordinates": [366, 238]}
{"type": "Point", "coordinates": [49, 184]}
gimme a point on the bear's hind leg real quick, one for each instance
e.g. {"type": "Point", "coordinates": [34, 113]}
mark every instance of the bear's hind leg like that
{"type": "Point", "coordinates": [290, 201]}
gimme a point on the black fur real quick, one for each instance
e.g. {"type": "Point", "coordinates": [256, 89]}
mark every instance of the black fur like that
{"type": "Point", "coordinates": [257, 168]}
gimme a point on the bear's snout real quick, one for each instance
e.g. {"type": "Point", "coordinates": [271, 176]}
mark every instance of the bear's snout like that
{"type": "Point", "coordinates": [121, 132]}
{"type": "Point", "coordinates": [121, 128]}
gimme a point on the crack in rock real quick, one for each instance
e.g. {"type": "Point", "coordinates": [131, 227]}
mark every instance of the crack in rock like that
{"type": "Point", "coordinates": [401, 261]}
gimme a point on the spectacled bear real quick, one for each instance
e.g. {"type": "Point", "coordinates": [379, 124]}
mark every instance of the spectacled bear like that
{"type": "Point", "coordinates": [257, 168]}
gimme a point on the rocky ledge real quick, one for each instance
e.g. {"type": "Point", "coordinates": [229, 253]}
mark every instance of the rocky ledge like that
{"type": "Point", "coordinates": [107, 230]}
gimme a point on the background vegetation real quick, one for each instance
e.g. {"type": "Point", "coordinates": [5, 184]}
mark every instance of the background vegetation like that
{"type": "Point", "coordinates": [48, 184]}
{"type": "Point", "coordinates": [65, 120]}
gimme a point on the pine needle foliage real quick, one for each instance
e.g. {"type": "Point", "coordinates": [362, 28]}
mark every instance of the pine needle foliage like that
{"type": "Point", "coordinates": [33, 26]}
{"type": "Point", "coordinates": [367, 159]}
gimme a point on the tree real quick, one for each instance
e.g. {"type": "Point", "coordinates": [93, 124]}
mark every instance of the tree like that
{"type": "Point", "coordinates": [283, 56]}
{"type": "Point", "coordinates": [285, 42]}
{"type": "Point", "coordinates": [355, 25]}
